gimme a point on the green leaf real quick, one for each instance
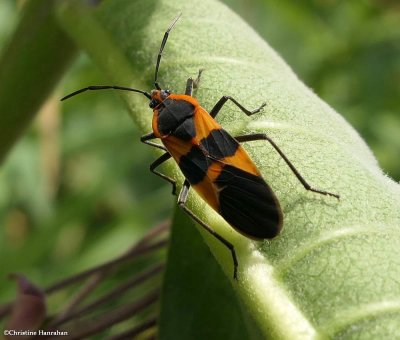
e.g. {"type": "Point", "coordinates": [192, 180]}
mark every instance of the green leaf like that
{"type": "Point", "coordinates": [30, 67]}
{"type": "Point", "coordinates": [334, 270]}
{"type": "Point", "coordinates": [197, 299]}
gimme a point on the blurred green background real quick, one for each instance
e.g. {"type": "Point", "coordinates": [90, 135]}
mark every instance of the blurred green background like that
{"type": "Point", "coordinates": [76, 191]}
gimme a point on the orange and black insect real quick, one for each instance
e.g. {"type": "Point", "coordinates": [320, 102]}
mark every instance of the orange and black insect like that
{"type": "Point", "coordinates": [212, 161]}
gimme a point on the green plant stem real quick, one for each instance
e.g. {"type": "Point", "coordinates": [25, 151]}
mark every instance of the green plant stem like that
{"type": "Point", "coordinates": [32, 64]}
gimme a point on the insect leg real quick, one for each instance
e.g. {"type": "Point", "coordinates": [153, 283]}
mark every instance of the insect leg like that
{"type": "Point", "coordinates": [263, 136]}
{"type": "Point", "coordinates": [146, 140]}
{"type": "Point", "coordinates": [182, 201]}
{"type": "Point", "coordinates": [193, 84]}
{"type": "Point", "coordinates": [189, 87]}
{"type": "Point", "coordinates": [157, 163]}
{"type": "Point", "coordinates": [197, 80]}
{"type": "Point", "coordinates": [217, 107]}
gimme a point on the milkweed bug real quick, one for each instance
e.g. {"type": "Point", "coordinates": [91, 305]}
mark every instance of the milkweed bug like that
{"type": "Point", "coordinates": [212, 161]}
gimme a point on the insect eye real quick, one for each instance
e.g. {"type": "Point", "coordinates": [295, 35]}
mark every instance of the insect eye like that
{"type": "Point", "coordinates": [165, 94]}
{"type": "Point", "coordinates": [153, 103]}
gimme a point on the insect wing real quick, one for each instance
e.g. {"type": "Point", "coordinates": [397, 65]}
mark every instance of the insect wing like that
{"type": "Point", "coordinates": [248, 204]}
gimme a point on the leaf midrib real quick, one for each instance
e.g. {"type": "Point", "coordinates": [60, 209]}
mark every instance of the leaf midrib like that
{"type": "Point", "coordinates": [325, 239]}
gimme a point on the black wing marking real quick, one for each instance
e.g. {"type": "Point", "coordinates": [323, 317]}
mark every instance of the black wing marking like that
{"type": "Point", "coordinates": [219, 144]}
{"type": "Point", "coordinates": [248, 204]}
{"type": "Point", "coordinates": [194, 165]}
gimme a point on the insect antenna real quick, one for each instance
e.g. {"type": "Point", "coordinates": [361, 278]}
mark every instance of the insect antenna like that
{"type": "Point", "coordinates": [163, 43]}
{"type": "Point", "coordinates": [105, 87]}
